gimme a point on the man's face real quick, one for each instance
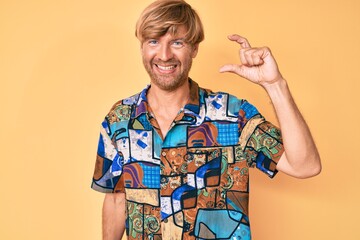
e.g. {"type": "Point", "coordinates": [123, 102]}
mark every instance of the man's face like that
{"type": "Point", "coordinates": [168, 59]}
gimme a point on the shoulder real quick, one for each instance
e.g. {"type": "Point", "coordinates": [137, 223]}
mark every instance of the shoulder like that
{"type": "Point", "coordinates": [121, 110]}
{"type": "Point", "coordinates": [224, 101]}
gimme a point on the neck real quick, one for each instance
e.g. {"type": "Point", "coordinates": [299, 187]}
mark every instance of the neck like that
{"type": "Point", "coordinates": [165, 105]}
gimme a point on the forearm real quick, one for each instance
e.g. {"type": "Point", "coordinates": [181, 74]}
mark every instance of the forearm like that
{"type": "Point", "coordinates": [113, 218]}
{"type": "Point", "coordinates": [301, 156]}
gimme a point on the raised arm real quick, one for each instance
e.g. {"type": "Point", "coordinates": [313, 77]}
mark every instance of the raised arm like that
{"type": "Point", "coordinates": [301, 158]}
{"type": "Point", "coordinates": [113, 219]}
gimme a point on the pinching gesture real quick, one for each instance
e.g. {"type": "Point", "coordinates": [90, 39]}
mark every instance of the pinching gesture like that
{"type": "Point", "coordinates": [257, 64]}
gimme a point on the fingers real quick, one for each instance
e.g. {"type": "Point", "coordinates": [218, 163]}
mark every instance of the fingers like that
{"type": "Point", "coordinates": [257, 64]}
{"type": "Point", "coordinates": [244, 43]}
{"type": "Point", "coordinates": [248, 56]}
{"type": "Point", "coordinates": [252, 56]}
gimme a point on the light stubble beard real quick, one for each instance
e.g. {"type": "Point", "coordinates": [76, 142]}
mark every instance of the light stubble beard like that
{"type": "Point", "coordinates": [168, 83]}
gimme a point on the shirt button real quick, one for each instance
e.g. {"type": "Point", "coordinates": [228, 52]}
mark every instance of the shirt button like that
{"type": "Point", "coordinates": [165, 220]}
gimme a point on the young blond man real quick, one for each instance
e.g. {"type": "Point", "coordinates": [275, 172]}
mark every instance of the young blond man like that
{"type": "Point", "coordinates": [173, 160]}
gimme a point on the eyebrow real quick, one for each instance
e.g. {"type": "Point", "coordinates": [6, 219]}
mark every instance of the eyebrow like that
{"type": "Point", "coordinates": [179, 39]}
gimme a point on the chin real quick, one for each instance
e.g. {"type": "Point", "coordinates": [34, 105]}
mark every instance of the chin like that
{"type": "Point", "coordinates": [167, 83]}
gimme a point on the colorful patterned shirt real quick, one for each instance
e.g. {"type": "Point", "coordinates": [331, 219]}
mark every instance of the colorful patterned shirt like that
{"type": "Point", "coordinates": [194, 183]}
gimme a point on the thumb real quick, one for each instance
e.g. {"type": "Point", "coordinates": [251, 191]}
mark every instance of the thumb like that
{"type": "Point", "coordinates": [231, 68]}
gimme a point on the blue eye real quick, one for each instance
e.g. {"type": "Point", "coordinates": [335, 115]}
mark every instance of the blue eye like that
{"type": "Point", "coordinates": [152, 42]}
{"type": "Point", "coordinates": [178, 43]}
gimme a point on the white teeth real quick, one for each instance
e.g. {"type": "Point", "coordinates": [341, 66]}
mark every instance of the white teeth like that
{"type": "Point", "coordinates": [166, 67]}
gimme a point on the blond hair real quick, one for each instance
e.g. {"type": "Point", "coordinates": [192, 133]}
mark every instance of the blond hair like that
{"type": "Point", "coordinates": [163, 16]}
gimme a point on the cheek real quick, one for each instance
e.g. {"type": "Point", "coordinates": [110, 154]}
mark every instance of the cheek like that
{"type": "Point", "coordinates": [187, 59]}
{"type": "Point", "coordinates": [194, 53]}
{"type": "Point", "coordinates": [147, 53]}
{"type": "Point", "coordinates": [147, 58]}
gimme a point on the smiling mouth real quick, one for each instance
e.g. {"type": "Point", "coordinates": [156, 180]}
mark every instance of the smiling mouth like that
{"type": "Point", "coordinates": [166, 68]}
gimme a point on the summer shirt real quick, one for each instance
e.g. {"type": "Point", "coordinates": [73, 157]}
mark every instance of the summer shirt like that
{"type": "Point", "coordinates": [194, 183]}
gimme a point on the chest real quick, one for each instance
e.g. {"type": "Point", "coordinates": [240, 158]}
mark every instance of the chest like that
{"type": "Point", "coordinates": [200, 157]}
{"type": "Point", "coordinates": [187, 184]}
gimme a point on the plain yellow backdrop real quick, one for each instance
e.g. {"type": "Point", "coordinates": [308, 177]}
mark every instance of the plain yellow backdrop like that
{"type": "Point", "coordinates": [64, 63]}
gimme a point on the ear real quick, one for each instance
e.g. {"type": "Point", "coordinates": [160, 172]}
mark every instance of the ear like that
{"type": "Point", "coordinates": [195, 49]}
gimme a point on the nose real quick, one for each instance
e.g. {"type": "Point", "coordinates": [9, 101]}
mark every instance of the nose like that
{"type": "Point", "coordinates": [165, 52]}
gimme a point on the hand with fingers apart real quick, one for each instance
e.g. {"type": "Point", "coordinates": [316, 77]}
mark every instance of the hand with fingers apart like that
{"type": "Point", "coordinates": [257, 64]}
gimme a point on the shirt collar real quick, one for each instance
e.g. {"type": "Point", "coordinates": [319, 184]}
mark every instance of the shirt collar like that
{"type": "Point", "coordinates": [191, 109]}
{"type": "Point", "coordinates": [193, 106]}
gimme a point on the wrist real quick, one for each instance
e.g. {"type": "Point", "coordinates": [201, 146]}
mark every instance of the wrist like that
{"type": "Point", "coordinates": [275, 85]}
{"type": "Point", "coordinates": [277, 90]}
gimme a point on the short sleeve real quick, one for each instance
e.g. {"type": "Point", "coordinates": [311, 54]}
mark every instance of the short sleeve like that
{"type": "Point", "coordinates": [261, 140]}
{"type": "Point", "coordinates": [109, 161]}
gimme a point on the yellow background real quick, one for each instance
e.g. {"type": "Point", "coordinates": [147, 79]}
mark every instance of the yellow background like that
{"type": "Point", "coordinates": [64, 63]}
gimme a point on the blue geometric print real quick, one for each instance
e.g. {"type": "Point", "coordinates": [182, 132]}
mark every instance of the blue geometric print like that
{"type": "Point", "coordinates": [151, 178]}
{"type": "Point", "coordinates": [101, 147]}
{"type": "Point", "coordinates": [227, 133]}
{"type": "Point", "coordinates": [249, 110]}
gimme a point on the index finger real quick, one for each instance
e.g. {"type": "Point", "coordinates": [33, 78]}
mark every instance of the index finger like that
{"type": "Point", "coordinates": [244, 43]}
